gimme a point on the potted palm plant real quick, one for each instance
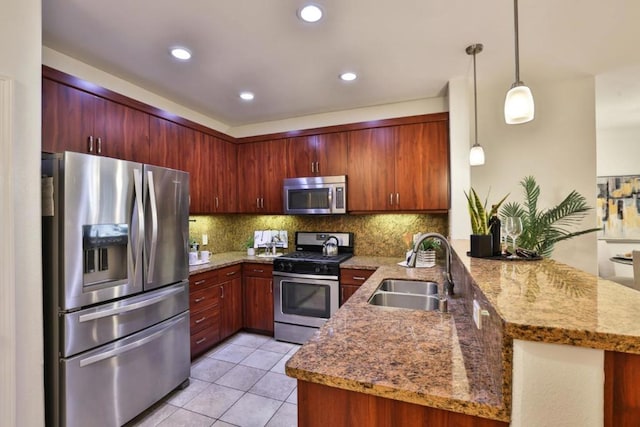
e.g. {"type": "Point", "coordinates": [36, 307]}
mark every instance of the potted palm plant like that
{"type": "Point", "coordinates": [481, 239]}
{"type": "Point", "coordinates": [542, 229]}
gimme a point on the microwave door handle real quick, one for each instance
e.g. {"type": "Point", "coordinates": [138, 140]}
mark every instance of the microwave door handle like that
{"type": "Point", "coordinates": [154, 227]}
{"type": "Point", "coordinates": [137, 236]}
{"type": "Point", "coordinates": [330, 197]}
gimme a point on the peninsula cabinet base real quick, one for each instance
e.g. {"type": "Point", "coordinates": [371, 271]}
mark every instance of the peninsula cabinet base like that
{"type": "Point", "coordinates": [321, 406]}
{"type": "Point", "coordinates": [621, 389]}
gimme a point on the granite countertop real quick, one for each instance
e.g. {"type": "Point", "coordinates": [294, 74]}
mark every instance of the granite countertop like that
{"type": "Point", "coordinates": [226, 259]}
{"type": "Point", "coordinates": [423, 357]}
{"type": "Point", "coordinates": [551, 302]}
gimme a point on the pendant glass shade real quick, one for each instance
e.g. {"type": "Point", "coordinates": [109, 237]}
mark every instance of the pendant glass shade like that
{"type": "Point", "coordinates": [476, 155]}
{"type": "Point", "coordinates": [518, 105]}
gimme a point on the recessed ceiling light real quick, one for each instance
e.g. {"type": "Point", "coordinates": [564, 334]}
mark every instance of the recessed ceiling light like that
{"type": "Point", "coordinates": [181, 53]}
{"type": "Point", "coordinates": [348, 77]}
{"type": "Point", "coordinates": [247, 96]}
{"type": "Point", "coordinates": [310, 13]}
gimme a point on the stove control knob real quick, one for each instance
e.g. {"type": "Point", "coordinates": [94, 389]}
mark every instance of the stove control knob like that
{"type": "Point", "coordinates": [280, 266]}
{"type": "Point", "coordinates": [317, 269]}
{"type": "Point", "coordinates": [289, 267]}
{"type": "Point", "coordinates": [325, 269]}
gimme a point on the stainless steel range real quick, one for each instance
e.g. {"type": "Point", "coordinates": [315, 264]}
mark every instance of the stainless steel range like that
{"type": "Point", "coordinates": [306, 284]}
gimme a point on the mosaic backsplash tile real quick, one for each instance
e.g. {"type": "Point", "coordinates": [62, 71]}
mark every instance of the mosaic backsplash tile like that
{"type": "Point", "coordinates": [374, 235]}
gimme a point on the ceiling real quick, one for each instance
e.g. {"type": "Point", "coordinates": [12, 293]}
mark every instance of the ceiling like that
{"type": "Point", "coordinates": [401, 49]}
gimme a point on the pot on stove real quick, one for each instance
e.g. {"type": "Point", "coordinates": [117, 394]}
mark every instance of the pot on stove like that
{"type": "Point", "coordinates": [329, 248]}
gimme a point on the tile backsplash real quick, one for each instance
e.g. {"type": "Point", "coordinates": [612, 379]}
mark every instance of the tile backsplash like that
{"type": "Point", "coordinates": [374, 235]}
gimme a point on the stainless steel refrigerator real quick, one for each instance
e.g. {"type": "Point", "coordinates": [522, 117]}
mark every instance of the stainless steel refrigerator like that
{"type": "Point", "coordinates": [116, 319]}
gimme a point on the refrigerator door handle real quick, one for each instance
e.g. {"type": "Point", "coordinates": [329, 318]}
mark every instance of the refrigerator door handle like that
{"type": "Point", "coordinates": [128, 347]}
{"type": "Point", "coordinates": [139, 236]}
{"type": "Point", "coordinates": [154, 226]}
{"type": "Point", "coordinates": [130, 307]}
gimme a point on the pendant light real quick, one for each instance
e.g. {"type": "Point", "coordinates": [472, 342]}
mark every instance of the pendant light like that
{"type": "Point", "coordinates": [476, 155]}
{"type": "Point", "coordinates": [518, 104]}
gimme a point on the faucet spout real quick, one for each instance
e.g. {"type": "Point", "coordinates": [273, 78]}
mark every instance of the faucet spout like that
{"type": "Point", "coordinates": [411, 263]}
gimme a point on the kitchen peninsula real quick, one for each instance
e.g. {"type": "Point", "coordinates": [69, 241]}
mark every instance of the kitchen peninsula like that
{"type": "Point", "coordinates": [394, 365]}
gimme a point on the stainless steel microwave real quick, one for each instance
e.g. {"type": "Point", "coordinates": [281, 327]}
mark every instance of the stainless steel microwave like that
{"type": "Point", "coordinates": [318, 195]}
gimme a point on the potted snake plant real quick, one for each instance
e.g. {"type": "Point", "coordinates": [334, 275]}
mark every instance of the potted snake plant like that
{"type": "Point", "coordinates": [481, 239]}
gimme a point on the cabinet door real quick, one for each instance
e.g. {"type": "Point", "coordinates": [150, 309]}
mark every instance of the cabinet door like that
{"type": "Point", "coordinates": [121, 132]}
{"type": "Point", "coordinates": [422, 168]}
{"type": "Point", "coordinates": [332, 154]}
{"type": "Point", "coordinates": [231, 310]}
{"type": "Point", "coordinates": [198, 155]}
{"type": "Point", "coordinates": [301, 156]}
{"type": "Point", "coordinates": [164, 146]}
{"type": "Point", "coordinates": [371, 170]}
{"type": "Point", "coordinates": [67, 118]}
{"type": "Point", "coordinates": [274, 161]}
{"type": "Point", "coordinates": [249, 188]}
{"type": "Point", "coordinates": [257, 292]}
{"type": "Point", "coordinates": [225, 176]}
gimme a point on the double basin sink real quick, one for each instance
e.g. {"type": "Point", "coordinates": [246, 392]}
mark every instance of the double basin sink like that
{"type": "Point", "coordinates": [411, 294]}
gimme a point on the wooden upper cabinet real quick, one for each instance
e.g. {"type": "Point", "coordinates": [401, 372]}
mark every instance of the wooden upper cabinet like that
{"type": "Point", "coordinates": [198, 161]}
{"type": "Point", "coordinates": [225, 176]}
{"type": "Point", "coordinates": [422, 166]}
{"type": "Point", "coordinates": [317, 155]}
{"type": "Point", "coordinates": [165, 144]}
{"type": "Point", "coordinates": [399, 168]}
{"type": "Point", "coordinates": [67, 118]}
{"type": "Point", "coordinates": [262, 166]}
{"type": "Point", "coordinates": [75, 120]}
{"type": "Point", "coordinates": [371, 170]}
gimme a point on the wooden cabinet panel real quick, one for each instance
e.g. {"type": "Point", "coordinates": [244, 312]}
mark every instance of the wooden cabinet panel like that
{"type": "Point", "coordinates": [225, 176]}
{"type": "Point", "coordinates": [165, 144]}
{"type": "Point", "coordinates": [317, 155]}
{"type": "Point", "coordinates": [422, 181]}
{"type": "Point", "coordinates": [350, 281]}
{"type": "Point", "coordinates": [203, 340]}
{"type": "Point", "coordinates": [258, 297]}
{"type": "Point", "coordinates": [371, 170]}
{"type": "Point", "coordinates": [67, 118]}
{"type": "Point", "coordinates": [262, 166]}
{"type": "Point", "coordinates": [75, 120]}
{"type": "Point", "coordinates": [621, 392]}
{"type": "Point", "coordinates": [400, 168]}
{"type": "Point", "coordinates": [198, 158]}
{"type": "Point", "coordinates": [349, 408]}
{"type": "Point", "coordinates": [231, 309]}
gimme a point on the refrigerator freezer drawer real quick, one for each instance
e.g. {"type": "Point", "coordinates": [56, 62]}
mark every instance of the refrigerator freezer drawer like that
{"type": "Point", "coordinates": [114, 383]}
{"type": "Point", "coordinates": [91, 327]}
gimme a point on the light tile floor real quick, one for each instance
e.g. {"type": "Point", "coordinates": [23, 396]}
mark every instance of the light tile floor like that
{"type": "Point", "coordinates": [241, 382]}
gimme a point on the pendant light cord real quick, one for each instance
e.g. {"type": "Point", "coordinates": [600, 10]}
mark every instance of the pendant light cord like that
{"type": "Point", "coordinates": [515, 20]}
{"type": "Point", "coordinates": [475, 95]}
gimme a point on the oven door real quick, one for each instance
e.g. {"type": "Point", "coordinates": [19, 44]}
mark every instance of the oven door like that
{"type": "Point", "coordinates": [304, 300]}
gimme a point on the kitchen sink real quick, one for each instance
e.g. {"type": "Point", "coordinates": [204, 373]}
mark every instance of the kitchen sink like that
{"type": "Point", "coordinates": [400, 300]}
{"type": "Point", "coordinates": [409, 287]}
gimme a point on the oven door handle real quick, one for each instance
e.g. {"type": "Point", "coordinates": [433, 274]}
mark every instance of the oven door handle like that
{"type": "Point", "coordinates": [304, 278]}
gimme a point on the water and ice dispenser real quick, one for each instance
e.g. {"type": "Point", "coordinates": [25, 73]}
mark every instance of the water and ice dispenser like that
{"type": "Point", "coordinates": [105, 252]}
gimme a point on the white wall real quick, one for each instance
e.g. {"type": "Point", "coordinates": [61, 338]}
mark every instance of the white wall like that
{"type": "Point", "coordinates": [21, 383]}
{"type": "Point", "coordinates": [557, 385]}
{"type": "Point", "coordinates": [558, 148]}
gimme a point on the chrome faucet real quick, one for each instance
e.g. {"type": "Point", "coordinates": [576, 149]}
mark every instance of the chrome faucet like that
{"type": "Point", "coordinates": [411, 263]}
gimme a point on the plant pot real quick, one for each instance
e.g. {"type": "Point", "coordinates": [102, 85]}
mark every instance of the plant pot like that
{"type": "Point", "coordinates": [251, 251]}
{"type": "Point", "coordinates": [481, 245]}
{"type": "Point", "coordinates": [426, 258]}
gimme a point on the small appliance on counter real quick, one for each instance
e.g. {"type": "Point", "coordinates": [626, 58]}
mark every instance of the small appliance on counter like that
{"type": "Point", "coordinates": [306, 284]}
{"type": "Point", "coordinates": [268, 242]}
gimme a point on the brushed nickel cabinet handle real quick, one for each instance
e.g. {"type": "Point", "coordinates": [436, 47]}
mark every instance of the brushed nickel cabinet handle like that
{"type": "Point", "coordinates": [258, 271]}
{"type": "Point", "coordinates": [91, 143]}
{"type": "Point", "coordinates": [391, 198]}
{"type": "Point", "coordinates": [317, 167]}
{"type": "Point", "coordinates": [200, 282]}
{"type": "Point", "coordinates": [222, 292]}
{"type": "Point", "coordinates": [398, 199]}
{"type": "Point", "coordinates": [217, 204]}
{"type": "Point", "coordinates": [99, 145]}
{"type": "Point", "coordinates": [200, 341]}
{"type": "Point", "coordinates": [200, 299]}
{"type": "Point", "coordinates": [200, 320]}
{"type": "Point", "coordinates": [231, 273]}
{"type": "Point", "coordinates": [359, 278]}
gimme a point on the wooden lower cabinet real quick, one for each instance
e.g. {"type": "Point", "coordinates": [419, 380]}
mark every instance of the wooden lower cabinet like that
{"type": "Point", "coordinates": [621, 391]}
{"type": "Point", "coordinates": [231, 300]}
{"type": "Point", "coordinates": [258, 297]}
{"type": "Point", "coordinates": [204, 307]}
{"type": "Point", "coordinates": [350, 281]}
{"type": "Point", "coordinates": [320, 405]}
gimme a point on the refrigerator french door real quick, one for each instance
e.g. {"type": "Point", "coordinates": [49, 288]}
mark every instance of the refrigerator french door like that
{"type": "Point", "coordinates": [115, 243]}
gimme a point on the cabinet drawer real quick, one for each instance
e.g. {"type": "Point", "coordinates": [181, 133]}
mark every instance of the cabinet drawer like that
{"type": "Point", "coordinates": [204, 299]}
{"type": "Point", "coordinates": [203, 280]}
{"type": "Point", "coordinates": [352, 276]}
{"type": "Point", "coordinates": [204, 339]}
{"type": "Point", "coordinates": [257, 270]}
{"type": "Point", "coordinates": [203, 319]}
{"type": "Point", "coordinates": [229, 273]}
